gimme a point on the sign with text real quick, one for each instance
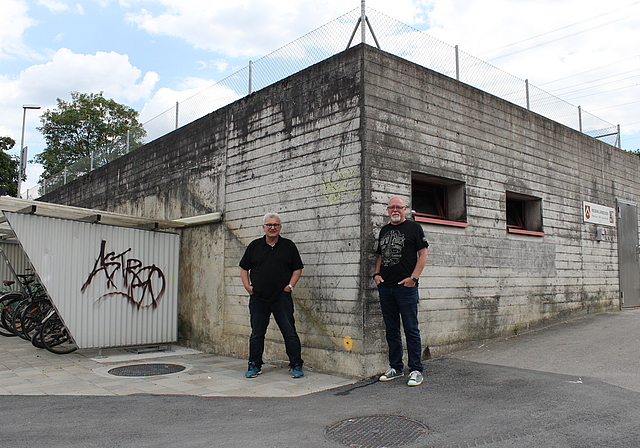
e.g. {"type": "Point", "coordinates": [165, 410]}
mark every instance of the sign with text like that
{"type": "Point", "coordinates": [598, 214]}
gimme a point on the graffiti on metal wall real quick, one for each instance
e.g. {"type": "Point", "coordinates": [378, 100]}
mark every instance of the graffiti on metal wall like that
{"type": "Point", "coordinates": [340, 186]}
{"type": "Point", "coordinates": [125, 276]}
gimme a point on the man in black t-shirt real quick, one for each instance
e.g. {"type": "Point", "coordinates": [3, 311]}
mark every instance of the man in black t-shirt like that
{"type": "Point", "coordinates": [270, 268]}
{"type": "Point", "coordinates": [402, 255]}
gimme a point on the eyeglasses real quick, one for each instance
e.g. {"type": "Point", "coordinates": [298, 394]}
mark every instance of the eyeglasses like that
{"type": "Point", "coordinates": [396, 207]}
{"type": "Point", "coordinates": [272, 225]}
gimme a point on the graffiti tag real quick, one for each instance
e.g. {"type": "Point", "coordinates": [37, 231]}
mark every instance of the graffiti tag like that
{"type": "Point", "coordinates": [340, 186]}
{"type": "Point", "coordinates": [142, 286]}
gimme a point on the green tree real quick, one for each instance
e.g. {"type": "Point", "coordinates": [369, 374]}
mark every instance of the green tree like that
{"type": "Point", "coordinates": [9, 166]}
{"type": "Point", "coordinates": [89, 126]}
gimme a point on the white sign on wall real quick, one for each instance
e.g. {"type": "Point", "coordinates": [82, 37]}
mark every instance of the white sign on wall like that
{"type": "Point", "coordinates": [598, 214]}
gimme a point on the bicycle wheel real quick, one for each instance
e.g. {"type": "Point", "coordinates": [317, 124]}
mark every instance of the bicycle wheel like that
{"type": "Point", "coordinates": [14, 316]}
{"type": "Point", "coordinates": [36, 338]}
{"type": "Point", "coordinates": [9, 303]}
{"type": "Point", "coordinates": [29, 315]}
{"type": "Point", "coordinates": [55, 337]}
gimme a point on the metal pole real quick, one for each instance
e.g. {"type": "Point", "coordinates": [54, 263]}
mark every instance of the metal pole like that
{"type": "Point", "coordinates": [177, 104]}
{"type": "Point", "coordinates": [526, 87]}
{"type": "Point", "coordinates": [22, 170]}
{"type": "Point", "coordinates": [250, 77]}
{"type": "Point", "coordinates": [363, 17]}
{"type": "Point", "coordinates": [580, 118]}
{"type": "Point", "coordinates": [457, 65]}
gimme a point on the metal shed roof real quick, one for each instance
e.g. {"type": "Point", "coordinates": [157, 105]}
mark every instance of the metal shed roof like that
{"type": "Point", "coordinates": [52, 210]}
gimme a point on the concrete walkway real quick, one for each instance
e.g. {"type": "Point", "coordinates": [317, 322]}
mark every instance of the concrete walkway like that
{"type": "Point", "coordinates": [574, 384]}
{"type": "Point", "coordinates": [26, 370]}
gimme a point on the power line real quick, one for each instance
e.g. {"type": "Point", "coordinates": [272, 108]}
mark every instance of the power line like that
{"type": "Point", "coordinates": [594, 86]}
{"type": "Point", "coordinates": [559, 29]}
{"type": "Point", "coordinates": [564, 37]}
{"type": "Point", "coordinates": [590, 70]}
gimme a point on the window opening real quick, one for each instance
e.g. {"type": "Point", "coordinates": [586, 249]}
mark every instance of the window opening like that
{"type": "Point", "coordinates": [438, 200]}
{"type": "Point", "coordinates": [524, 214]}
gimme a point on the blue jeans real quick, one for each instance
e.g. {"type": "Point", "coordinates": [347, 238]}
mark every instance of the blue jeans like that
{"type": "Point", "coordinates": [282, 310]}
{"type": "Point", "coordinates": [396, 303]}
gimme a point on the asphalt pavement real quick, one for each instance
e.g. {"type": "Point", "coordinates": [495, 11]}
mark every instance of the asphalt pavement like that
{"type": "Point", "coordinates": [572, 384]}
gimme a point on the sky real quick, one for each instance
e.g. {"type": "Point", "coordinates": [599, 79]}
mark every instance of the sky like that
{"type": "Point", "coordinates": [148, 54]}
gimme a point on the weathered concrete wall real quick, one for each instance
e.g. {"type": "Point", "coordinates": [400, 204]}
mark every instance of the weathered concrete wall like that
{"type": "Point", "coordinates": [293, 148]}
{"type": "Point", "coordinates": [298, 153]}
{"type": "Point", "coordinates": [326, 148]}
{"type": "Point", "coordinates": [482, 281]}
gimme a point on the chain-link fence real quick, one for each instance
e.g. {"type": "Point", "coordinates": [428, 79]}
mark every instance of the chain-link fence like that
{"type": "Point", "coordinates": [350, 29]}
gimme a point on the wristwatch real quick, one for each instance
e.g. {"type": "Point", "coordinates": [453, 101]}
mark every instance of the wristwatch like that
{"type": "Point", "coordinates": [290, 287]}
{"type": "Point", "coordinates": [413, 278]}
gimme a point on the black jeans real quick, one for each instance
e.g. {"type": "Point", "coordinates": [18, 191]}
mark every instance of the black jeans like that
{"type": "Point", "coordinates": [282, 310]}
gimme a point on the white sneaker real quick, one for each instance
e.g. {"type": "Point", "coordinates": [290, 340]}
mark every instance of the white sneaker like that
{"type": "Point", "coordinates": [415, 378]}
{"type": "Point", "coordinates": [390, 375]}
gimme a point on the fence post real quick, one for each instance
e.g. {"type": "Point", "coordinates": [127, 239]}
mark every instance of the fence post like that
{"type": "Point", "coordinates": [250, 77]}
{"type": "Point", "coordinates": [580, 118]}
{"type": "Point", "coordinates": [177, 105]}
{"type": "Point", "coordinates": [363, 17]}
{"type": "Point", "coordinates": [526, 87]}
{"type": "Point", "coordinates": [619, 139]}
{"type": "Point", "coordinates": [457, 64]}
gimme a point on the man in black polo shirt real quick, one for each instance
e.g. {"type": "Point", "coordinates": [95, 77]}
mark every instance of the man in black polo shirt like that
{"type": "Point", "coordinates": [270, 268]}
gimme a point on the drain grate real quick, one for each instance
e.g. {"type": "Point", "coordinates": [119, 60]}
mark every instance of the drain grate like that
{"type": "Point", "coordinates": [146, 369]}
{"type": "Point", "coordinates": [376, 431]}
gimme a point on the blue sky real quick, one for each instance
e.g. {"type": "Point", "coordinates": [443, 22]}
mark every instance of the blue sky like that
{"type": "Point", "coordinates": [149, 54]}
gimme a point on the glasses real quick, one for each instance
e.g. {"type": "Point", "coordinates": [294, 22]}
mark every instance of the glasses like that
{"type": "Point", "coordinates": [272, 225]}
{"type": "Point", "coordinates": [396, 207]}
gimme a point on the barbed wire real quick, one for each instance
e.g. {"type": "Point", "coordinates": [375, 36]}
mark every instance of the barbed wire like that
{"type": "Point", "coordinates": [393, 37]}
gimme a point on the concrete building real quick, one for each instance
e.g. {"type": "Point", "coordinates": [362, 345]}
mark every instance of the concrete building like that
{"type": "Point", "coordinates": [520, 211]}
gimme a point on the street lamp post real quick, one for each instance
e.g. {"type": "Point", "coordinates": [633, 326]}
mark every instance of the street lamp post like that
{"type": "Point", "coordinates": [22, 171]}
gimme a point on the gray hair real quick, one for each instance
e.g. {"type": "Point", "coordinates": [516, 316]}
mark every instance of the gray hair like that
{"type": "Point", "coordinates": [269, 216]}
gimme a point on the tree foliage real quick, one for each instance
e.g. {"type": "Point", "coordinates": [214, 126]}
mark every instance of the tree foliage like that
{"type": "Point", "coordinates": [88, 126]}
{"type": "Point", "coordinates": [9, 166]}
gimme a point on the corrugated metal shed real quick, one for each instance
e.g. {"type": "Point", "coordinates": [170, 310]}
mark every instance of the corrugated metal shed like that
{"type": "Point", "coordinates": [113, 284]}
{"type": "Point", "coordinates": [12, 261]}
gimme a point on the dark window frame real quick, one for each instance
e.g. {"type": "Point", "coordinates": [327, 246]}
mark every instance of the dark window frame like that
{"type": "Point", "coordinates": [524, 214]}
{"type": "Point", "coordinates": [438, 200]}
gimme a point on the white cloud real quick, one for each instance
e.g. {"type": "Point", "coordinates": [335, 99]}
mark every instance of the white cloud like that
{"type": "Point", "coordinates": [559, 45]}
{"type": "Point", "coordinates": [219, 65]}
{"type": "Point", "coordinates": [54, 5]}
{"type": "Point", "coordinates": [248, 28]}
{"type": "Point", "coordinates": [111, 73]}
{"type": "Point", "coordinates": [14, 20]}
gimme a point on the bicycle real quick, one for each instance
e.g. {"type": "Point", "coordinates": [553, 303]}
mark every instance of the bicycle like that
{"type": "Point", "coordinates": [16, 305]}
{"type": "Point", "coordinates": [54, 336]}
{"type": "Point", "coordinates": [28, 314]}
{"type": "Point", "coordinates": [8, 302]}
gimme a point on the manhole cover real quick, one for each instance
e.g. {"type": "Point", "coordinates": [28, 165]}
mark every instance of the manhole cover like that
{"type": "Point", "coordinates": [146, 369]}
{"type": "Point", "coordinates": [376, 431]}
